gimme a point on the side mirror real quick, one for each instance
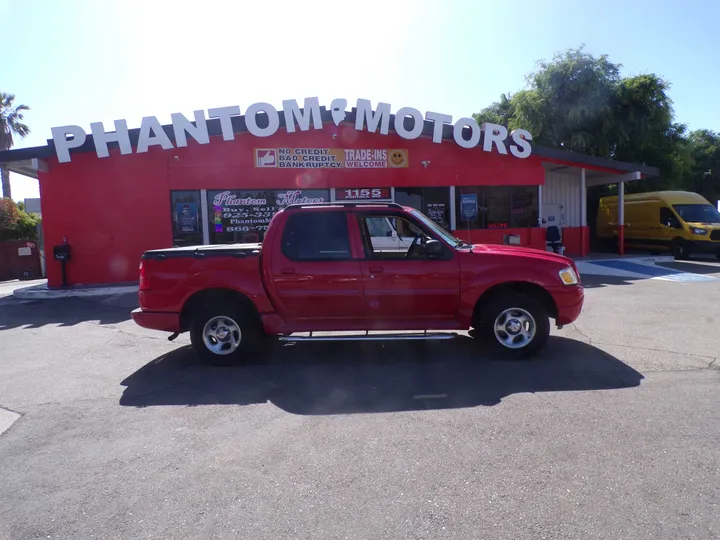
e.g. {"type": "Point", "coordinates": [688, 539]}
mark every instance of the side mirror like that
{"type": "Point", "coordinates": [673, 223]}
{"type": "Point", "coordinates": [433, 248]}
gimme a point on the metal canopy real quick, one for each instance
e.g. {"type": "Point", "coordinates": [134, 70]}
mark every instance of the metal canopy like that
{"type": "Point", "coordinates": [26, 167]}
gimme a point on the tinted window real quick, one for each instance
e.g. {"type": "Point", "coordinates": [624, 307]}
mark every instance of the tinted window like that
{"type": "Point", "coordinates": [524, 206]}
{"type": "Point", "coordinates": [434, 202]}
{"type": "Point", "coordinates": [699, 213]}
{"type": "Point", "coordinates": [185, 210]}
{"type": "Point", "coordinates": [497, 204]}
{"type": "Point", "coordinates": [665, 215]}
{"type": "Point", "coordinates": [496, 207]}
{"type": "Point", "coordinates": [316, 236]}
{"type": "Point", "coordinates": [244, 215]}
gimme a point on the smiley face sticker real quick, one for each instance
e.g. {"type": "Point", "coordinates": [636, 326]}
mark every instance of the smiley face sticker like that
{"type": "Point", "coordinates": [397, 159]}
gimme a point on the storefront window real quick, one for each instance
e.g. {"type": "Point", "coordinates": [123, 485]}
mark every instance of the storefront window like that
{"type": "Point", "coordinates": [186, 220]}
{"type": "Point", "coordinates": [243, 216]}
{"type": "Point", "coordinates": [524, 206]}
{"type": "Point", "coordinates": [496, 207]}
{"type": "Point", "coordinates": [434, 202]}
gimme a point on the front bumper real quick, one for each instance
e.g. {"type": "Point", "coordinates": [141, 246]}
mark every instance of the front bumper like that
{"type": "Point", "coordinates": [702, 246]}
{"type": "Point", "coordinates": [569, 301]}
{"type": "Point", "coordinates": [165, 322]}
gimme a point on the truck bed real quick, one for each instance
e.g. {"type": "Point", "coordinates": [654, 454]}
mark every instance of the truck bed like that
{"type": "Point", "coordinates": [221, 250]}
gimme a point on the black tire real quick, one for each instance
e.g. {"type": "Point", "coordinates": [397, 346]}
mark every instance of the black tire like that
{"type": "Point", "coordinates": [679, 250]}
{"type": "Point", "coordinates": [243, 343]}
{"type": "Point", "coordinates": [525, 304]}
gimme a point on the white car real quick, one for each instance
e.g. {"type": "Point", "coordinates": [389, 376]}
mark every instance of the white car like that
{"type": "Point", "coordinates": [384, 236]}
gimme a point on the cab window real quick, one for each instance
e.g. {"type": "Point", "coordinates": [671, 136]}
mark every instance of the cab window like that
{"type": "Point", "coordinates": [668, 219]}
{"type": "Point", "coordinates": [407, 245]}
{"type": "Point", "coordinates": [379, 227]}
{"type": "Point", "coordinates": [316, 236]}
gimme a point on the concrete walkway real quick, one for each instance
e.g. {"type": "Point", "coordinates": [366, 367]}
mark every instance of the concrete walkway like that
{"type": "Point", "coordinates": [42, 292]}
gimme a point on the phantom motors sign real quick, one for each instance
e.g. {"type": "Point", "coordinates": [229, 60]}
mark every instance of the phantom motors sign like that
{"type": "Point", "coordinates": [466, 131]}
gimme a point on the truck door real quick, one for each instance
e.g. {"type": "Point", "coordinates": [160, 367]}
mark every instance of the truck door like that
{"type": "Point", "coordinates": [313, 271]}
{"type": "Point", "coordinates": [404, 285]}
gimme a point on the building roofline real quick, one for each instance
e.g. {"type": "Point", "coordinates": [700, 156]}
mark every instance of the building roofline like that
{"type": "Point", "coordinates": [239, 126]}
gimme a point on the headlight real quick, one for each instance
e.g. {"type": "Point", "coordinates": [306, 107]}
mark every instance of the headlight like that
{"type": "Point", "coordinates": [568, 276]}
{"type": "Point", "coordinates": [695, 230]}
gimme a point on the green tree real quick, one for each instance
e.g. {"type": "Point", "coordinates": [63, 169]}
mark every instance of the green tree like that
{"type": "Point", "coordinates": [704, 149]}
{"type": "Point", "coordinates": [16, 224]}
{"type": "Point", "coordinates": [581, 103]}
{"type": "Point", "coordinates": [11, 126]}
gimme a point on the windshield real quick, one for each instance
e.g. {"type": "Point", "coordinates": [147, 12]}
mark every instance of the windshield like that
{"type": "Point", "coordinates": [697, 213]}
{"type": "Point", "coordinates": [430, 224]}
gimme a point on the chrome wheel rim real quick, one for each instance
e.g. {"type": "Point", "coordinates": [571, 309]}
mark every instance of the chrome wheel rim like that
{"type": "Point", "coordinates": [514, 328]}
{"type": "Point", "coordinates": [222, 335]}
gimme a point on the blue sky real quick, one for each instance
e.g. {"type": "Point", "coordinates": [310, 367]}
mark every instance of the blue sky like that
{"type": "Point", "coordinates": [81, 61]}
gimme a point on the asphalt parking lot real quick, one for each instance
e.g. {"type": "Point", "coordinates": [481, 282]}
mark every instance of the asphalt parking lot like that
{"type": "Point", "coordinates": [614, 432]}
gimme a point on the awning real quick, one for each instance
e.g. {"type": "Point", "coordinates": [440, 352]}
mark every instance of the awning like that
{"type": "Point", "coordinates": [26, 167]}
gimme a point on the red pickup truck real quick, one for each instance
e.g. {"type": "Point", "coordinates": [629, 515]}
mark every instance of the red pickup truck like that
{"type": "Point", "coordinates": [329, 267]}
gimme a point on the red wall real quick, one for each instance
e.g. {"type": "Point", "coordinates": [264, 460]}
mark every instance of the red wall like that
{"type": "Point", "coordinates": [113, 209]}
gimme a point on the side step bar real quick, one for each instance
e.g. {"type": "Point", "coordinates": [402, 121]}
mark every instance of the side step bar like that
{"type": "Point", "coordinates": [369, 337]}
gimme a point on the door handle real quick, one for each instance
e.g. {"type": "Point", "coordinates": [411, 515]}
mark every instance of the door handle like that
{"type": "Point", "coordinates": [287, 271]}
{"type": "Point", "coordinates": [376, 269]}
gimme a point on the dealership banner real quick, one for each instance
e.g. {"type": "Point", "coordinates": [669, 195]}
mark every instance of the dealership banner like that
{"type": "Point", "coordinates": [331, 158]}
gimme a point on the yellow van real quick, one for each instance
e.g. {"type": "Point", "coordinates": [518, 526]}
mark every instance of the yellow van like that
{"type": "Point", "coordinates": [680, 222]}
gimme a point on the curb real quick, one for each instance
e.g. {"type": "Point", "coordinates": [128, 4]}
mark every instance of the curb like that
{"type": "Point", "coordinates": [41, 292]}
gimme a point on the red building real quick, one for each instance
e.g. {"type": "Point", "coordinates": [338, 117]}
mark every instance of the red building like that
{"type": "Point", "coordinates": [225, 188]}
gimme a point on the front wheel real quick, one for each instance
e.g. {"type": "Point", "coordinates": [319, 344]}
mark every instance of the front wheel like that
{"type": "Point", "coordinates": [514, 325]}
{"type": "Point", "coordinates": [224, 334]}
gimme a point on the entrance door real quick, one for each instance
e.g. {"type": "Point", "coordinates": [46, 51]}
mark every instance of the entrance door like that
{"type": "Point", "coordinates": [314, 275]}
{"type": "Point", "coordinates": [403, 287]}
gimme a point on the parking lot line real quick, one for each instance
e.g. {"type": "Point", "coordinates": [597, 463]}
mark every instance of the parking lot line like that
{"type": "Point", "coordinates": [641, 270]}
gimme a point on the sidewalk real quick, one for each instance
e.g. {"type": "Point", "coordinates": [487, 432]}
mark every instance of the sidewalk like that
{"type": "Point", "coordinates": [42, 292]}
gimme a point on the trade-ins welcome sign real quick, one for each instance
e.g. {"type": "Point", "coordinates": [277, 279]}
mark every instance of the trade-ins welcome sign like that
{"type": "Point", "coordinates": [151, 133]}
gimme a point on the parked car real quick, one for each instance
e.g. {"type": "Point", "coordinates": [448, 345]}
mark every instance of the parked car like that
{"type": "Point", "coordinates": [320, 270]}
{"type": "Point", "coordinates": [678, 222]}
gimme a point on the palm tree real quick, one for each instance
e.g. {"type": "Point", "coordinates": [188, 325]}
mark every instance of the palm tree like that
{"type": "Point", "coordinates": [11, 125]}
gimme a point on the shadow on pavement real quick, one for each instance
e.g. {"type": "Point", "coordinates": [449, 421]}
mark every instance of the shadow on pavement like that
{"type": "Point", "coordinates": [591, 281]}
{"type": "Point", "coordinates": [707, 267]}
{"type": "Point", "coordinates": [111, 309]}
{"type": "Point", "coordinates": [341, 378]}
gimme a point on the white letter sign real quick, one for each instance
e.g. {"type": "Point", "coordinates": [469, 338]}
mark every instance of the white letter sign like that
{"type": "Point", "coordinates": [310, 117]}
{"type": "Point", "coordinates": [152, 134]}
{"type": "Point", "coordinates": [63, 144]}
{"type": "Point", "coordinates": [474, 139]}
{"type": "Point", "coordinates": [418, 123]}
{"type": "Point", "coordinates": [102, 138]}
{"type": "Point", "coordinates": [521, 138]}
{"type": "Point", "coordinates": [365, 115]}
{"type": "Point", "coordinates": [183, 127]}
{"type": "Point", "coordinates": [251, 119]}
{"type": "Point", "coordinates": [292, 113]}
{"type": "Point", "coordinates": [225, 114]}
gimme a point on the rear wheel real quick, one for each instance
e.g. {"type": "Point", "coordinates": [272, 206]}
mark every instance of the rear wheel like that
{"type": "Point", "coordinates": [514, 325]}
{"type": "Point", "coordinates": [225, 334]}
{"type": "Point", "coordinates": [679, 250]}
